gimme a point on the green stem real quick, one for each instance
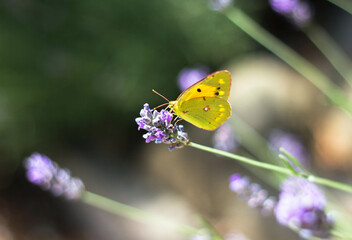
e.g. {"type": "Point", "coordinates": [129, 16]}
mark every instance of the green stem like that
{"type": "Point", "coordinates": [293, 160]}
{"type": "Point", "coordinates": [242, 159]}
{"type": "Point", "coordinates": [274, 168]}
{"type": "Point", "coordinates": [339, 235]}
{"type": "Point", "coordinates": [329, 48]}
{"type": "Point", "coordinates": [301, 65]}
{"type": "Point", "coordinates": [330, 183]}
{"type": "Point", "coordinates": [344, 4]}
{"type": "Point", "coordinates": [288, 164]}
{"type": "Point", "coordinates": [251, 139]}
{"type": "Point", "coordinates": [215, 235]}
{"type": "Point", "coordinates": [257, 146]}
{"type": "Point", "coordinates": [134, 213]}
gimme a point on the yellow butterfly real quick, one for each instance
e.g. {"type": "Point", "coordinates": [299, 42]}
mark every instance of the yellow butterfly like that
{"type": "Point", "coordinates": [204, 104]}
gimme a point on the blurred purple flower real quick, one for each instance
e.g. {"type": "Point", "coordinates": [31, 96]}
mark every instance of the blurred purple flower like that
{"type": "Point", "coordinates": [74, 188]}
{"type": "Point", "coordinates": [225, 139]}
{"type": "Point", "coordinates": [218, 5]}
{"type": "Point", "coordinates": [283, 6]}
{"type": "Point", "coordinates": [40, 170]}
{"type": "Point", "coordinates": [291, 143]}
{"type": "Point", "coordinates": [302, 13]}
{"type": "Point", "coordinates": [189, 76]}
{"type": "Point", "coordinates": [62, 178]}
{"type": "Point", "coordinates": [298, 11]}
{"type": "Point", "coordinates": [301, 204]}
{"type": "Point", "coordinates": [160, 129]}
{"type": "Point", "coordinates": [238, 183]}
{"type": "Point", "coordinates": [253, 193]}
{"type": "Point", "coordinates": [47, 174]}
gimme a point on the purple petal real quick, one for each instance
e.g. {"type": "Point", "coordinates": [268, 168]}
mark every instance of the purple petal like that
{"type": "Point", "coordinates": [40, 169]}
{"type": "Point", "coordinates": [283, 6]}
{"type": "Point", "coordinates": [238, 183]}
{"type": "Point", "coordinates": [189, 76]}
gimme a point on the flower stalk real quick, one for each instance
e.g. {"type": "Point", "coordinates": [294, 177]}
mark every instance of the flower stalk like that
{"type": "Point", "coordinates": [292, 58]}
{"type": "Point", "coordinates": [274, 168]}
{"type": "Point", "coordinates": [343, 4]}
{"type": "Point", "coordinates": [329, 48]}
{"type": "Point", "coordinates": [135, 214]}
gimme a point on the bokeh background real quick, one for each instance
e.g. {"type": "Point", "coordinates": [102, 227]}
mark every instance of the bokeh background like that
{"type": "Point", "coordinates": [75, 74]}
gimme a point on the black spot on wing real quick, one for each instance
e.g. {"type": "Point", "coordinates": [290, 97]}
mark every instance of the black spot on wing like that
{"type": "Point", "coordinates": [199, 90]}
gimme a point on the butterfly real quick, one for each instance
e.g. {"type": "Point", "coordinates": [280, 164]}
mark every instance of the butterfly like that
{"type": "Point", "coordinates": [204, 104]}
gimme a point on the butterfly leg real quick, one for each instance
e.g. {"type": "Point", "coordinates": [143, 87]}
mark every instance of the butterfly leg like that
{"type": "Point", "coordinates": [177, 119]}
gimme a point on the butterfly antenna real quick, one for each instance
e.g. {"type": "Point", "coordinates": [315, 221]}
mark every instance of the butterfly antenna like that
{"type": "Point", "coordinates": [160, 105]}
{"type": "Point", "coordinates": [161, 95]}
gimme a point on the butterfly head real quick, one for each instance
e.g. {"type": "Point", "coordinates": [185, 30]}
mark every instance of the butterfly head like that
{"type": "Point", "coordinates": [172, 104]}
{"type": "Point", "coordinates": [174, 107]}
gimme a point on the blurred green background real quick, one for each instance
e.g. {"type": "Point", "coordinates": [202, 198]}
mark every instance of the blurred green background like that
{"type": "Point", "coordinates": [74, 76]}
{"type": "Point", "coordinates": [69, 69]}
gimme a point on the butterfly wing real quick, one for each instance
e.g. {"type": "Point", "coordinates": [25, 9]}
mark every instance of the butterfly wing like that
{"type": "Point", "coordinates": [207, 113]}
{"type": "Point", "coordinates": [214, 85]}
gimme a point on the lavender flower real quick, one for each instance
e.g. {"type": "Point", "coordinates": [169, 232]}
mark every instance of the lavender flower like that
{"type": "Point", "coordinates": [160, 128]}
{"type": "Point", "coordinates": [291, 143]}
{"type": "Point", "coordinates": [298, 11]}
{"type": "Point", "coordinates": [253, 193]}
{"type": "Point", "coordinates": [49, 176]}
{"type": "Point", "coordinates": [224, 138]}
{"type": "Point", "coordinates": [302, 13]}
{"type": "Point", "coordinates": [283, 6]}
{"type": "Point", "coordinates": [301, 204]}
{"type": "Point", "coordinates": [40, 170]}
{"type": "Point", "coordinates": [189, 76]}
{"type": "Point", "coordinates": [218, 5]}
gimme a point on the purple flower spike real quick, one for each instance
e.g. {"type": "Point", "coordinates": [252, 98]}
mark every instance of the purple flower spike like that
{"type": "Point", "coordinates": [74, 188]}
{"type": "Point", "coordinates": [301, 203]}
{"type": "Point", "coordinates": [218, 5]}
{"type": "Point", "coordinates": [302, 13]}
{"type": "Point", "coordinates": [160, 128]}
{"type": "Point", "coordinates": [253, 193]}
{"type": "Point", "coordinates": [238, 183]}
{"type": "Point", "coordinates": [224, 138]}
{"type": "Point", "coordinates": [61, 180]}
{"type": "Point", "coordinates": [283, 6]}
{"type": "Point", "coordinates": [298, 11]}
{"type": "Point", "coordinates": [291, 143]}
{"type": "Point", "coordinates": [189, 76]}
{"type": "Point", "coordinates": [40, 170]}
{"type": "Point", "coordinates": [49, 176]}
